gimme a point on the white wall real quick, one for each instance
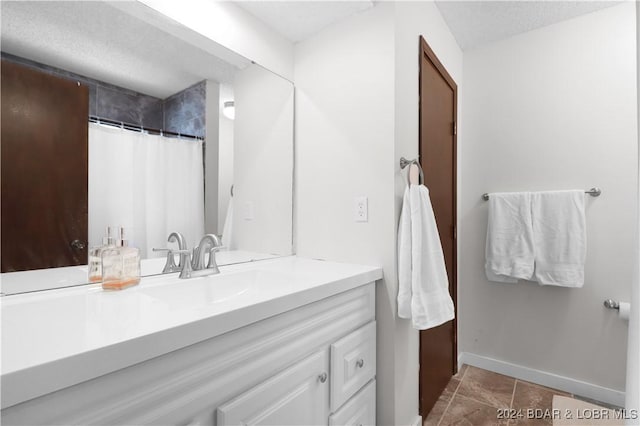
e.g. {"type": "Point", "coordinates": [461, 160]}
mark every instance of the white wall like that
{"type": "Point", "coordinates": [356, 114]}
{"type": "Point", "coordinates": [262, 162]}
{"type": "Point", "coordinates": [344, 149]}
{"type": "Point", "coordinates": [412, 20]}
{"type": "Point", "coordinates": [225, 169]}
{"type": "Point", "coordinates": [554, 108]}
{"type": "Point", "coordinates": [212, 148]}
{"type": "Point", "coordinates": [225, 158]}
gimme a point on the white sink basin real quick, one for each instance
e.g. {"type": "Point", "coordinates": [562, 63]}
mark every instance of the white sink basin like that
{"type": "Point", "coordinates": [210, 291]}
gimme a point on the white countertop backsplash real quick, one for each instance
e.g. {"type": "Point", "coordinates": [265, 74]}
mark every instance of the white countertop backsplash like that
{"type": "Point", "coordinates": [67, 276]}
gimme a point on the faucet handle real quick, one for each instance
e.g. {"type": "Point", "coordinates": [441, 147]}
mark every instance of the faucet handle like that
{"type": "Point", "coordinates": [170, 266]}
{"type": "Point", "coordinates": [212, 264]}
{"type": "Point", "coordinates": [181, 252]}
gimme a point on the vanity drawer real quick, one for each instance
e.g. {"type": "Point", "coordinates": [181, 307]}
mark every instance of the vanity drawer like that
{"type": "Point", "coordinates": [353, 363]}
{"type": "Point", "coordinates": [295, 396]}
{"type": "Point", "coordinates": [359, 410]}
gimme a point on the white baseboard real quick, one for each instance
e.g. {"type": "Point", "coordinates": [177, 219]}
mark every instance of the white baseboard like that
{"type": "Point", "coordinates": [566, 384]}
{"type": "Point", "coordinates": [417, 421]}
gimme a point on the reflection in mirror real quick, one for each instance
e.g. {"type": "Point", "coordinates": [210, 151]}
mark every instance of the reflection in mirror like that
{"type": "Point", "coordinates": [110, 120]}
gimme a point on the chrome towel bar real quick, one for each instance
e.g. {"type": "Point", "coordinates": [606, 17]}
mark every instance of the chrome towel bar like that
{"type": "Point", "coordinates": [594, 192]}
{"type": "Point", "coordinates": [612, 304]}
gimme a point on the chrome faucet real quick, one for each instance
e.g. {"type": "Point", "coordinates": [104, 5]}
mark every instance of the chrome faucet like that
{"type": "Point", "coordinates": [192, 264]}
{"type": "Point", "coordinates": [185, 261]}
{"type": "Point", "coordinates": [179, 238]}
{"type": "Point", "coordinates": [182, 245]}
{"type": "Point", "coordinates": [170, 265]}
{"type": "Point", "coordinates": [209, 243]}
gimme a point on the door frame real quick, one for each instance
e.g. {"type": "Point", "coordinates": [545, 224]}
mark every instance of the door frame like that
{"type": "Point", "coordinates": [426, 51]}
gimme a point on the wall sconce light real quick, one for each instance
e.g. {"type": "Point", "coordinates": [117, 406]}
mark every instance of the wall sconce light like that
{"type": "Point", "coordinates": [229, 110]}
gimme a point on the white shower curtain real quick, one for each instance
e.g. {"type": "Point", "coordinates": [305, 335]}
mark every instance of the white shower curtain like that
{"type": "Point", "coordinates": [151, 185]}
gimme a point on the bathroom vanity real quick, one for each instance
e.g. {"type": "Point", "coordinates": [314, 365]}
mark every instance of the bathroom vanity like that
{"type": "Point", "coordinates": [282, 341]}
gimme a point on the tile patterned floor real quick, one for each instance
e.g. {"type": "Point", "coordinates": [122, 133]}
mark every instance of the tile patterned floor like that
{"type": "Point", "coordinates": [477, 397]}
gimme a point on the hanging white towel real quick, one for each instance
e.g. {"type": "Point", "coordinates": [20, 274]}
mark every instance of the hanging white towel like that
{"type": "Point", "coordinates": [560, 238]}
{"type": "Point", "coordinates": [228, 226]}
{"type": "Point", "coordinates": [423, 293]}
{"type": "Point", "coordinates": [509, 250]}
{"type": "Point", "coordinates": [404, 258]}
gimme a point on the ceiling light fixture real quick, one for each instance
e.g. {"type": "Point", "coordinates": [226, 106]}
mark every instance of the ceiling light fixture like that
{"type": "Point", "coordinates": [229, 110]}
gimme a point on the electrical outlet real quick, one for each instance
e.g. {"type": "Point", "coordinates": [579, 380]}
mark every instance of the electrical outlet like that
{"type": "Point", "coordinates": [248, 210]}
{"type": "Point", "coordinates": [361, 209]}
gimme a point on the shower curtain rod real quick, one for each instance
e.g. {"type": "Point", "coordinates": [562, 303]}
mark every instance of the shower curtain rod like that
{"type": "Point", "coordinates": [137, 128]}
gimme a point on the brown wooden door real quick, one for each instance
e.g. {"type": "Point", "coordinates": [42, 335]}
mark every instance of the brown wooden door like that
{"type": "Point", "coordinates": [438, 104]}
{"type": "Point", "coordinates": [44, 169]}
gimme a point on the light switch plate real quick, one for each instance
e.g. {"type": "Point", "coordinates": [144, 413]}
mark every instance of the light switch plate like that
{"type": "Point", "coordinates": [361, 209]}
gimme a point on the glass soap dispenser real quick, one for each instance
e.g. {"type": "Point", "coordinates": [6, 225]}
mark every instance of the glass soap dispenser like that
{"type": "Point", "coordinates": [120, 265]}
{"type": "Point", "coordinates": [95, 257]}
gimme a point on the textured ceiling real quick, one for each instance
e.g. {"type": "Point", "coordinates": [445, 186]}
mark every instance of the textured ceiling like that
{"type": "Point", "coordinates": [474, 23]}
{"type": "Point", "coordinates": [100, 41]}
{"type": "Point", "coordinates": [298, 20]}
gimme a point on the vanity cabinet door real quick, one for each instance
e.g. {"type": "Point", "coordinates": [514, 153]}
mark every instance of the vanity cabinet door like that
{"type": "Point", "coordinates": [298, 395]}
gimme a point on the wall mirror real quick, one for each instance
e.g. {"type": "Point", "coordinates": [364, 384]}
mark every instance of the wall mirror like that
{"type": "Point", "coordinates": [114, 115]}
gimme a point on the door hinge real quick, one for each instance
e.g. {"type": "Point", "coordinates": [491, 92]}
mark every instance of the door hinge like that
{"type": "Point", "coordinates": [454, 128]}
{"type": "Point", "coordinates": [454, 232]}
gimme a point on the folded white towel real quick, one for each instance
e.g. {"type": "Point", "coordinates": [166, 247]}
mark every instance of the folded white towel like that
{"type": "Point", "coordinates": [423, 295]}
{"type": "Point", "coordinates": [509, 253]}
{"type": "Point", "coordinates": [560, 238]}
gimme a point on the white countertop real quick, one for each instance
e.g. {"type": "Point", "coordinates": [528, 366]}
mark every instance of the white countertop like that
{"type": "Point", "coordinates": [57, 338]}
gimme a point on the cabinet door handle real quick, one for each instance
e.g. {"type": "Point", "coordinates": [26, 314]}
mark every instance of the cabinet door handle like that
{"type": "Point", "coordinates": [360, 363]}
{"type": "Point", "coordinates": [323, 377]}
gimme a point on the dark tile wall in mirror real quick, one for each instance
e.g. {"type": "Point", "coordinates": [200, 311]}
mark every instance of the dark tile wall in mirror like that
{"type": "Point", "coordinates": [183, 112]}
{"type": "Point", "coordinates": [116, 103]}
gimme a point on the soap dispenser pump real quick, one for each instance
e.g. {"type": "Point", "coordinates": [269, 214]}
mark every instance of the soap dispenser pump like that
{"type": "Point", "coordinates": [95, 256]}
{"type": "Point", "coordinates": [120, 265]}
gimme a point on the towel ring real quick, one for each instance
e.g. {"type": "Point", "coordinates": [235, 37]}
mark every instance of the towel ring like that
{"type": "Point", "coordinates": [404, 163]}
